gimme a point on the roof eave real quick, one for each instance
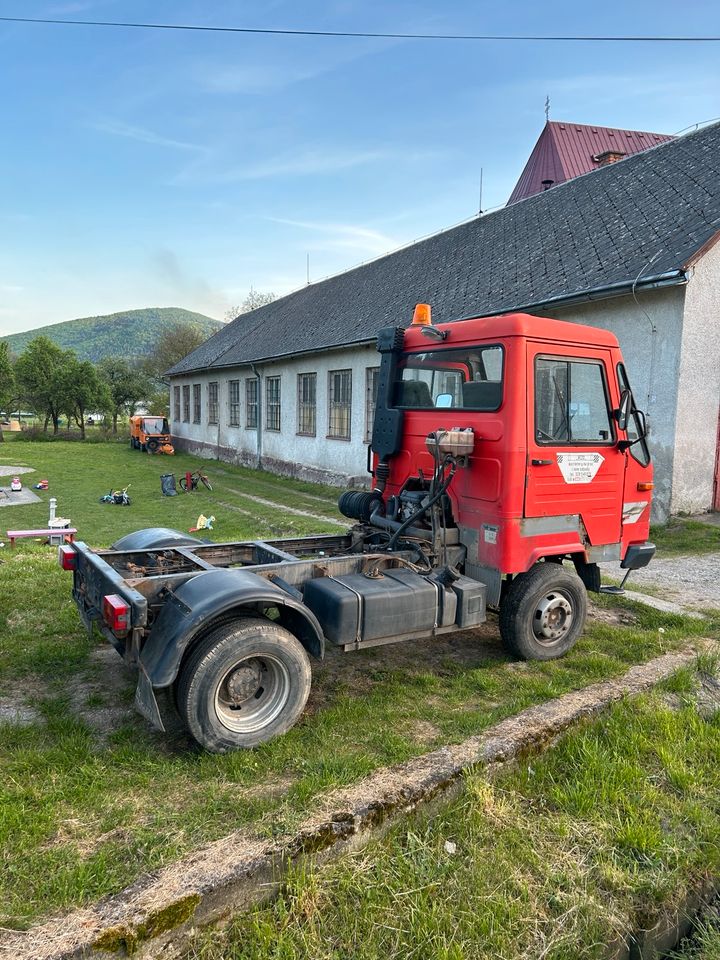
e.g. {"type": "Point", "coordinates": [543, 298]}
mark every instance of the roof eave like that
{"type": "Point", "coordinates": [671, 278]}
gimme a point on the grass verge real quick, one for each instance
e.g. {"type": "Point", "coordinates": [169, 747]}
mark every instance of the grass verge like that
{"type": "Point", "coordinates": [557, 859]}
{"type": "Point", "coordinates": [680, 537]}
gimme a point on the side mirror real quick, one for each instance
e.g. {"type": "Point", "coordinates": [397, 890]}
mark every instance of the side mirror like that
{"type": "Point", "coordinates": [444, 400]}
{"type": "Point", "coordinates": [622, 414]}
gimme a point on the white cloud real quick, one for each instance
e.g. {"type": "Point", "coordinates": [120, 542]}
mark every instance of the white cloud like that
{"type": "Point", "coordinates": [305, 163]}
{"type": "Point", "coordinates": [344, 236]}
{"type": "Point", "coordinates": [118, 128]}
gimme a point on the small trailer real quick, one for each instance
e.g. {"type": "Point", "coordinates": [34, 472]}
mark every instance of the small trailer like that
{"type": "Point", "coordinates": [509, 460]}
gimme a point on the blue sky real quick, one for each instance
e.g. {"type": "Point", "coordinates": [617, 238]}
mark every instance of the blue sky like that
{"type": "Point", "coordinates": [154, 168]}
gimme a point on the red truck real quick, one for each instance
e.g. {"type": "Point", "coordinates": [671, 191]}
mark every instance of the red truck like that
{"type": "Point", "coordinates": [508, 461]}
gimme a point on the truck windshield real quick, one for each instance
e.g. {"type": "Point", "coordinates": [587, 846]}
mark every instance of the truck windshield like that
{"type": "Point", "coordinates": [155, 425]}
{"type": "Point", "coordinates": [470, 378]}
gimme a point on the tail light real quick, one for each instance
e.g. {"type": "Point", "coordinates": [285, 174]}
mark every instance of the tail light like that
{"type": "Point", "coordinates": [116, 613]}
{"type": "Point", "coordinates": [67, 557]}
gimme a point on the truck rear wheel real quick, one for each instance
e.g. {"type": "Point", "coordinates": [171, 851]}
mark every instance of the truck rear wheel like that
{"type": "Point", "coordinates": [543, 612]}
{"type": "Point", "coordinates": [245, 683]}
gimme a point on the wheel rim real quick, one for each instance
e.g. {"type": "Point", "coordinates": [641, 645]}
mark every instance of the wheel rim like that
{"type": "Point", "coordinates": [553, 618]}
{"type": "Point", "coordinates": [252, 693]}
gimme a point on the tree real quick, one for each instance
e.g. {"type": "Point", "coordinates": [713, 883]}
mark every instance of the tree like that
{"type": "Point", "coordinates": [252, 301]}
{"type": "Point", "coordinates": [42, 384]}
{"type": "Point", "coordinates": [127, 386]}
{"type": "Point", "coordinates": [171, 346]}
{"type": "Point", "coordinates": [7, 381]}
{"type": "Point", "coordinates": [84, 391]}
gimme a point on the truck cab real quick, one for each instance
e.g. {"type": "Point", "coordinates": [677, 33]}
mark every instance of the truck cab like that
{"type": "Point", "coordinates": [555, 470]}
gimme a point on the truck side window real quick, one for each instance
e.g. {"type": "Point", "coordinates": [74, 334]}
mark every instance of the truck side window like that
{"type": "Point", "coordinates": [571, 405]}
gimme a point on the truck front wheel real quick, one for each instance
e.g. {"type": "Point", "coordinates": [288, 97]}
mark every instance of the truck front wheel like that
{"type": "Point", "coordinates": [245, 682]}
{"type": "Point", "coordinates": [543, 612]}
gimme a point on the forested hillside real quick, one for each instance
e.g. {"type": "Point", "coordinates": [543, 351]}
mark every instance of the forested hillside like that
{"type": "Point", "coordinates": [132, 333]}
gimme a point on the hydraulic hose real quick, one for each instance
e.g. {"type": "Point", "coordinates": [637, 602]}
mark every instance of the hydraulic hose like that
{"type": "Point", "coordinates": [418, 513]}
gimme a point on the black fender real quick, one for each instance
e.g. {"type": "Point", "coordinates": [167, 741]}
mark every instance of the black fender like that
{"type": "Point", "coordinates": [209, 598]}
{"type": "Point", "coordinates": [156, 538]}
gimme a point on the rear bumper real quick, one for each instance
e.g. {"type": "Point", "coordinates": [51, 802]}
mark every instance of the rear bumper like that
{"type": "Point", "coordinates": [638, 555]}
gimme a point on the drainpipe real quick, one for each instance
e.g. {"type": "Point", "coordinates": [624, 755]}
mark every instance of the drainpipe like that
{"type": "Point", "coordinates": [259, 415]}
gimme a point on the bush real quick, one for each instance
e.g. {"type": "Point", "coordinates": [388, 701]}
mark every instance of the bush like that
{"type": "Point", "coordinates": [103, 434]}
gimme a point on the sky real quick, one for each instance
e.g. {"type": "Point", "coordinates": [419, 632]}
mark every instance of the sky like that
{"type": "Point", "coordinates": [162, 168]}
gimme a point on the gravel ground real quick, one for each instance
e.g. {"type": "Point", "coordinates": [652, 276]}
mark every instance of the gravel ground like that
{"type": "Point", "coordinates": [692, 581]}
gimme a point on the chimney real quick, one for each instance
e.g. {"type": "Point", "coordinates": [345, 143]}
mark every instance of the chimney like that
{"type": "Point", "coordinates": [608, 156]}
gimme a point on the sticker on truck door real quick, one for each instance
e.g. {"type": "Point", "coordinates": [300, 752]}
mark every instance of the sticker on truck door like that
{"type": "Point", "coordinates": [579, 467]}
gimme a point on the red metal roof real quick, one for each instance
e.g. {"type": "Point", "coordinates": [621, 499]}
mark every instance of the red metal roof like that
{"type": "Point", "coordinates": [567, 150]}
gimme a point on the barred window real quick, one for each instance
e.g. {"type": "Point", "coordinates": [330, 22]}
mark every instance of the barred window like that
{"type": "Point", "coordinates": [197, 403]}
{"type": "Point", "coordinates": [186, 403]}
{"type": "Point", "coordinates": [307, 404]}
{"type": "Point", "coordinates": [339, 403]}
{"type": "Point", "coordinates": [251, 402]}
{"type": "Point", "coordinates": [371, 386]}
{"type": "Point", "coordinates": [234, 402]}
{"type": "Point", "coordinates": [177, 415]}
{"type": "Point", "coordinates": [213, 402]}
{"type": "Point", "coordinates": [272, 403]}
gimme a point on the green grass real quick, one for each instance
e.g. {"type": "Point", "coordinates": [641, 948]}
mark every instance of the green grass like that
{"type": "Point", "coordinates": [680, 537]}
{"type": "Point", "coordinates": [704, 943]}
{"type": "Point", "coordinates": [557, 859]}
{"type": "Point", "coordinates": [84, 811]}
{"type": "Point", "coordinates": [79, 474]}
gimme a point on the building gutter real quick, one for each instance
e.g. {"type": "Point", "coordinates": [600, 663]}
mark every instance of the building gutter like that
{"type": "Point", "coordinates": [259, 415]}
{"type": "Point", "coordinates": [672, 278]}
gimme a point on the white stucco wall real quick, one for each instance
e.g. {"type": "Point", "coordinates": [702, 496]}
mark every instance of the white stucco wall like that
{"type": "Point", "coordinates": [650, 333]}
{"type": "Point", "coordinates": [699, 389]}
{"type": "Point", "coordinates": [320, 457]}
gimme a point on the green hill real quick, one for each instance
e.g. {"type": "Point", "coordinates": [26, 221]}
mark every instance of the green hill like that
{"type": "Point", "coordinates": [127, 334]}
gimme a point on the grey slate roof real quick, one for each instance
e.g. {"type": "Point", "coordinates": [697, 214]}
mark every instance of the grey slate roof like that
{"type": "Point", "coordinates": [641, 218]}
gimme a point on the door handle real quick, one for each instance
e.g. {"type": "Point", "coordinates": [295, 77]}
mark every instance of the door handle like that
{"type": "Point", "coordinates": [541, 463]}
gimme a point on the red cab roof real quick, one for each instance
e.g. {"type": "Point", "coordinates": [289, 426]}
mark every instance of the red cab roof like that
{"type": "Point", "coordinates": [480, 329]}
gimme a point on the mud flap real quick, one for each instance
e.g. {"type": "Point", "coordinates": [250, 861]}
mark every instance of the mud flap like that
{"type": "Point", "coordinates": [146, 702]}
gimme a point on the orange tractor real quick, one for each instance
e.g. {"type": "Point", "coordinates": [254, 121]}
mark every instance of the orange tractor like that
{"type": "Point", "coordinates": [151, 434]}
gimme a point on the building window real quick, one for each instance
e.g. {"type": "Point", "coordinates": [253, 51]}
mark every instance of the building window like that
{"type": "Point", "coordinates": [213, 402]}
{"type": "Point", "coordinates": [307, 404]}
{"type": "Point", "coordinates": [339, 404]}
{"type": "Point", "coordinates": [251, 402]}
{"type": "Point", "coordinates": [197, 403]}
{"type": "Point", "coordinates": [272, 403]}
{"type": "Point", "coordinates": [371, 386]}
{"type": "Point", "coordinates": [176, 403]}
{"type": "Point", "coordinates": [234, 402]}
{"type": "Point", "coordinates": [186, 404]}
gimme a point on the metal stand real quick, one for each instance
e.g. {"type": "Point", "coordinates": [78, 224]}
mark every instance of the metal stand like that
{"type": "Point", "coordinates": [617, 591]}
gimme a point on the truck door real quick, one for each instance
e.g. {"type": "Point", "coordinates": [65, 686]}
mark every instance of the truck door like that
{"type": "Point", "coordinates": [574, 468]}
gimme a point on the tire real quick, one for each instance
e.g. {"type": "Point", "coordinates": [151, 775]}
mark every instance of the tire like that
{"type": "Point", "coordinates": [152, 446]}
{"type": "Point", "coordinates": [206, 482]}
{"type": "Point", "coordinates": [183, 484]}
{"type": "Point", "coordinates": [271, 673]}
{"type": "Point", "coordinates": [543, 612]}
